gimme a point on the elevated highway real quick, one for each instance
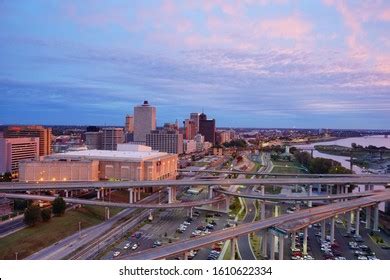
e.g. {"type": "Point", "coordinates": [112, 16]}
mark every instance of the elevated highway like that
{"type": "Point", "coordinates": [330, 210]}
{"type": "Point", "coordinates": [355, 180]}
{"type": "Point", "coordinates": [178, 204]}
{"type": "Point", "coordinates": [279, 197]}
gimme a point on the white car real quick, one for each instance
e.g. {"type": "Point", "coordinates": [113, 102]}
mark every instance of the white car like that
{"type": "Point", "coordinates": [116, 253]}
{"type": "Point", "coordinates": [135, 246]}
{"type": "Point", "coordinates": [186, 223]}
{"type": "Point", "coordinates": [362, 258]}
{"type": "Point", "coordinates": [127, 246]}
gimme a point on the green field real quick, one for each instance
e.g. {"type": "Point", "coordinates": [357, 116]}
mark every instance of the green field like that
{"type": "Point", "coordinates": [286, 167]}
{"type": "Point", "coordinates": [31, 239]}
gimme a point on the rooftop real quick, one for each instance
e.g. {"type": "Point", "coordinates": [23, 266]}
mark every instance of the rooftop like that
{"type": "Point", "coordinates": [111, 155]}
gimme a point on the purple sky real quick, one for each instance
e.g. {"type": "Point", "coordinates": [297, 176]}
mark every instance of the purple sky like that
{"type": "Point", "coordinates": [247, 63]}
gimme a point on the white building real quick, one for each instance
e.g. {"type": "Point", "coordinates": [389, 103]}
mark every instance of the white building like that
{"type": "Point", "coordinates": [189, 146]}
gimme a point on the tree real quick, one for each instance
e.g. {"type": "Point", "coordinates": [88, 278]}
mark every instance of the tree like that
{"type": "Point", "coordinates": [32, 215]}
{"type": "Point", "coordinates": [59, 206]}
{"type": "Point", "coordinates": [46, 214]}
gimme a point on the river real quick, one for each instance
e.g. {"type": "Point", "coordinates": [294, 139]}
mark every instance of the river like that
{"type": "Point", "coordinates": [375, 140]}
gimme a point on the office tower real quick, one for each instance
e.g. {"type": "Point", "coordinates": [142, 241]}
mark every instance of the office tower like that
{"type": "Point", "coordinates": [144, 121]}
{"type": "Point", "coordinates": [129, 124]}
{"type": "Point", "coordinates": [190, 129]}
{"type": "Point", "coordinates": [195, 118]}
{"type": "Point", "coordinates": [111, 137]}
{"type": "Point", "coordinates": [93, 140]}
{"type": "Point", "coordinates": [14, 150]}
{"type": "Point", "coordinates": [207, 128]}
{"type": "Point", "coordinates": [44, 135]}
{"type": "Point", "coordinates": [165, 141]}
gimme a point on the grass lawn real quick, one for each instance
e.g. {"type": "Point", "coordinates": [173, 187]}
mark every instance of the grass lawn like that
{"type": "Point", "coordinates": [32, 239]}
{"type": "Point", "coordinates": [286, 167]}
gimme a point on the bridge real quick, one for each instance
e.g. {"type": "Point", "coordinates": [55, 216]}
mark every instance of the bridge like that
{"type": "Point", "coordinates": [302, 217]}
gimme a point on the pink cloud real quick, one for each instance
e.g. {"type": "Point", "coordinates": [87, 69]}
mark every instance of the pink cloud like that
{"type": "Point", "coordinates": [291, 27]}
{"type": "Point", "coordinates": [385, 15]}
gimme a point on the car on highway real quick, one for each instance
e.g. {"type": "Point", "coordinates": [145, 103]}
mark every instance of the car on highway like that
{"type": "Point", "coordinates": [209, 226]}
{"type": "Point", "coordinates": [156, 244]}
{"type": "Point", "coordinates": [116, 253]}
{"type": "Point", "coordinates": [127, 246]}
{"type": "Point", "coordinates": [134, 247]}
{"type": "Point", "coordinates": [201, 228]}
{"type": "Point", "coordinates": [186, 223]}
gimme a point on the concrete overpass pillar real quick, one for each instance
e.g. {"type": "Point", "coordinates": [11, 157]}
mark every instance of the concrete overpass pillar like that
{"type": "Point", "coordinates": [349, 222]}
{"type": "Point", "coordinates": [323, 230]}
{"type": "Point", "coordinates": [281, 247]}
{"type": "Point", "coordinates": [262, 210]}
{"type": "Point", "coordinates": [357, 222]}
{"type": "Point", "coordinates": [98, 194]}
{"type": "Point", "coordinates": [233, 242]}
{"type": "Point", "coordinates": [264, 244]}
{"type": "Point", "coordinates": [272, 249]}
{"type": "Point", "coordinates": [185, 256]}
{"type": "Point", "coordinates": [139, 194]}
{"type": "Point", "coordinates": [332, 220]}
{"type": "Point", "coordinates": [66, 193]}
{"type": "Point", "coordinates": [170, 195]}
{"type": "Point", "coordinates": [376, 218]}
{"type": "Point", "coordinates": [211, 192]}
{"type": "Point", "coordinates": [304, 244]}
{"type": "Point", "coordinates": [327, 189]}
{"type": "Point", "coordinates": [368, 217]}
{"type": "Point", "coordinates": [131, 195]}
{"type": "Point", "coordinates": [107, 212]}
{"type": "Point", "coordinates": [310, 203]}
{"type": "Point", "coordinates": [293, 241]}
{"type": "Point", "coordinates": [191, 212]}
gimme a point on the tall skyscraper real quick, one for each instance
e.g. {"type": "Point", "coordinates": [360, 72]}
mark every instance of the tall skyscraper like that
{"type": "Point", "coordinates": [195, 118]}
{"type": "Point", "coordinates": [207, 128]}
{"type": "Point", "coordinates": [144, 121]}
{"type": "Point", "coordinates": [13, 150]}
{"type": "Point", "coordinates": [190, 129]}
{"type": "Point", "coordinates": [44, 135]}
{"type": "Point", "coordinates": [129, 124]}
{"type": "Point", "coordinates": [111, 138]}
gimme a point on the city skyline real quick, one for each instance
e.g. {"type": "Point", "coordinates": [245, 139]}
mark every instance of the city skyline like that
{"type": "Point", "coordinates": [247, 63]}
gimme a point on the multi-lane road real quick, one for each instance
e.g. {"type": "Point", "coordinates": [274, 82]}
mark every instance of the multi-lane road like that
{"type": "Point", "coordinates": [356, 180]}
{"type": "Point", "coordinates": [245, 229]}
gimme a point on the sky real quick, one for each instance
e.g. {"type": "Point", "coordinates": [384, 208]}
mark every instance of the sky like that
{"type": "Point", "coordinates": [247, 63]}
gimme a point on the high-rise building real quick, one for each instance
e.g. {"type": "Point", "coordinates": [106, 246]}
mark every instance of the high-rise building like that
{"type": "Point", "coordinates": [190, 129]}
{"type": "Point", "coordinates": [14, 150]}
{"type": "Point", "coordinates": [93, 140]}
{"type": "Point", "coordinates": [165, 141]}
{"type": "Point", "coordinates": [195, 118]}
{"type": "Point", "coordinates": [44, 135]}
{"type": "Point", "coordinates": [207, 128]}
{"type": "Point", "coordinates": [144, 121]}
{"type": "Point", "coordinates": [129, 124]}
{"type": "Point", "coordinates": [111, 138]}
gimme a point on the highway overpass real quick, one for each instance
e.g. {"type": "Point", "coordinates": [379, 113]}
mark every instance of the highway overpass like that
{"type": "Point", "coordinates": [330, 210]}
{"type": "Point", "coordinates": [354, 180]}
